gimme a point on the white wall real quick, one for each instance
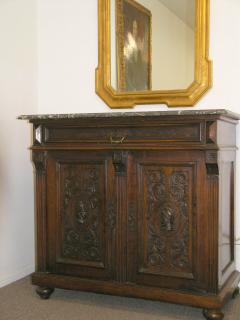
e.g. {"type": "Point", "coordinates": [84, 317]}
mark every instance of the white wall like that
{"type": "Point", "coordinates": [68, 46]}
{"type": "Point", "coordinates": [66, 38]}
{"type": "Point", "coordinates": [17, 95]}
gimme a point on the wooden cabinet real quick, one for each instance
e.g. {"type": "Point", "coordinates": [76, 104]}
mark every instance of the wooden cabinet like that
{"type": "Point", "coordinates": [137, 204]}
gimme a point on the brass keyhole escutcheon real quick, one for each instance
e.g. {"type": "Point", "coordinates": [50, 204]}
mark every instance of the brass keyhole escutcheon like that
{"type": "Point", "coordinates": [117, 140]}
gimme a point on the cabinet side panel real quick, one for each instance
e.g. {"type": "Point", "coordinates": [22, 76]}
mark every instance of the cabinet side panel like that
{"type": "Point", "coordinates": [226, 223]}
{"type": "Point", "coordinates": [212, 197]}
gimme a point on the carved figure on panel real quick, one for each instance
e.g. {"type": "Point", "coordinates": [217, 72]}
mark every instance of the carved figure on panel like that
{"type": "Point", "coordinates": [167, 217]}
{"type": "Point", "coordinates": [81, 212]}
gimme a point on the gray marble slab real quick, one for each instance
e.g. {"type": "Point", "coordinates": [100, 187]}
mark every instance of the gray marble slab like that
{"type": "Point", "coordinates": [220, 112]}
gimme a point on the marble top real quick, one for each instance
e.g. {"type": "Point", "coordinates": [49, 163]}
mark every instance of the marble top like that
{"type": "Point", "coordinates": [213, 112]}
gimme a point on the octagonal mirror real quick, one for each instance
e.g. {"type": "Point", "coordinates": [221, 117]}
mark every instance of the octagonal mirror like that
{"type": "Point", "coordinates": [153, 51]}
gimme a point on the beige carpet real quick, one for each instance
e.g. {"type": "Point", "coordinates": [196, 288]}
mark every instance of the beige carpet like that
{"type": "Point", "coordinates": [19, 301]}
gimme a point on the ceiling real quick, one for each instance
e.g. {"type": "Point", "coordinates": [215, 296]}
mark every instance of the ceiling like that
{"type": "Point", "coordinates": [184, 9]}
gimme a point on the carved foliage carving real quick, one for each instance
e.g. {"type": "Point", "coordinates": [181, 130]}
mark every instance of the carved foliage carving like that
{"type": "Point", "coordinates": [167, 216]}
{"type": "Point", "coordinates": [81, 212]}
{"type": "Point", "coordinates": [39, 160]}
{"type": "Point", "coordinates": [119, 162]}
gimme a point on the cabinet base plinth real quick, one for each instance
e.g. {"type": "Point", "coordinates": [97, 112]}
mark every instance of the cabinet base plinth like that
{"type": "Point", "coordinates": [202, 300]}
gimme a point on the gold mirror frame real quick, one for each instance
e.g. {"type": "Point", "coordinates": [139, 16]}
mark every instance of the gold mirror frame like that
{"type": "Point", "coordinates": [173, 98]}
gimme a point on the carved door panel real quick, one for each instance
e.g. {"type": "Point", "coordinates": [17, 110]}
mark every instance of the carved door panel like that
{"type": "Point", "coordinates": [166, 221]}
{"type": "Point", "coordinates": [81, 214]}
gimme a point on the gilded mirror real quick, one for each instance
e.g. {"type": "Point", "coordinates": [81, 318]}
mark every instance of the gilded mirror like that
{"type": "Point", "coordinates": [153, 51]}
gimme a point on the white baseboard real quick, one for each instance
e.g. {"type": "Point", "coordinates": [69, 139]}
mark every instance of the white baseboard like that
{"type": "Point", "coordinates": [9, 278]}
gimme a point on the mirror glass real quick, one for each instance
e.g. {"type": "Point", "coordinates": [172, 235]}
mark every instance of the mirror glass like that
{"type": "Point", "coordinates": [152, 45]}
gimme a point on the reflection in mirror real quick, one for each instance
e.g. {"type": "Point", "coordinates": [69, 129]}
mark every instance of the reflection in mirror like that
{"type": "Point", "coordinates": [152, 44]}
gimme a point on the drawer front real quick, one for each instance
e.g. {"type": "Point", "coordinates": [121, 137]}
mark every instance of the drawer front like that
{"type": "Point", "coordinates": [177, 132]}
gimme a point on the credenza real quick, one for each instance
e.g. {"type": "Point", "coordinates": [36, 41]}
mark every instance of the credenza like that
{"type": "Point", "coordinates": [137, 204]}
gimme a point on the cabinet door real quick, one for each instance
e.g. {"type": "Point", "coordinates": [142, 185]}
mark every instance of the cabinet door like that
{"type": "Point", "coordinates": [81, 214]}
{"type": "Point", "coordinates": [167, 223]}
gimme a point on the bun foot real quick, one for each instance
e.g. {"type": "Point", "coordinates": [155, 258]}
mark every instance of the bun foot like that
{"type": "Point", "coordinates": [44, 293]}
{"type": "Point", "coordinates": [236, 293]}
{"type": "Point", "coordinates": [213, 314]}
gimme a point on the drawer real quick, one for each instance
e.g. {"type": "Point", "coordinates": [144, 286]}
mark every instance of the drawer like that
{"type": "Point", "coordinates": [189, 132]}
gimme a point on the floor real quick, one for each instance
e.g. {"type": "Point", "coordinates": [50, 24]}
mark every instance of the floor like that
{"type": "Point", "coordinates": [19, 301]}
